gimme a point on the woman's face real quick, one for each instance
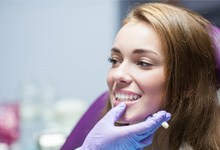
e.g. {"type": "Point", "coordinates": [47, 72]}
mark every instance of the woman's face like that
{"type": "Point", "coordinates": [137, 76]}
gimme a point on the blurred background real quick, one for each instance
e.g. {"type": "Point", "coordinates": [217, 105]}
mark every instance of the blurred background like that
{"type": "Point", "coordinates": [53, 62]}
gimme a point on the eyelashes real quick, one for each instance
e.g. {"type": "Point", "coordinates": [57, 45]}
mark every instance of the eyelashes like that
{"type": "Point", "coordinates": [112, 60]}
{"type": "Point", "coordinates": [140, 63]}
{"type": "Point", "coordinates": [144, 64]}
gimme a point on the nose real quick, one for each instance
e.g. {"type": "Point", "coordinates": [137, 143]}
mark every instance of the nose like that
{"type": "Point", "coordinates": [122, 74]}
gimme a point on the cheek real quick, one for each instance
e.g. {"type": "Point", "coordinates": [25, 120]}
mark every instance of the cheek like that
{"type": "Point", "coordinates": [110, 85]}
{"type": "Point", "coordinates": [155, 80]}
{"type": "Point", "coordinates": [109, 80]}
{"type": "Point", "coordinates": [153, 89]}
{"type": "Point", "coordinates": [152, 83]}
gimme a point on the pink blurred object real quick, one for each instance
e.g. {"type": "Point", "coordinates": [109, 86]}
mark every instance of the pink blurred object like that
{"type": "Point", "coordinates": [9, 123]}
{"type": "Point", "coordinates": [215, 33]}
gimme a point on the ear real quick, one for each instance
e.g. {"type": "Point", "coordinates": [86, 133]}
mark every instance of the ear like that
{"type": "Point", "coordinates": [215, 34]}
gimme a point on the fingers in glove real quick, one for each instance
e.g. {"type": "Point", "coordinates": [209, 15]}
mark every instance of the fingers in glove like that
{"type": "Point", "coordinates": [115, 113]}
{"type": "Point", "coordinates": [144, 142]}
{"type": "Point", "coordinates": [151, 124]}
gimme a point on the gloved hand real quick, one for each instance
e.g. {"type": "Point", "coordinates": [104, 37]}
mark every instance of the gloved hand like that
{"type": "Point", "coordinates": [106, 136]}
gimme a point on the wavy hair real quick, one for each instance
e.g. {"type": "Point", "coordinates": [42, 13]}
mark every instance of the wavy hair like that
{"type": "Point", "coordinates": [191, 78]}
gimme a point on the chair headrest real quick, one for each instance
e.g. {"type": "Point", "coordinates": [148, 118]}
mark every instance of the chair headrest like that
{"type": "Point", "coordinates": [215, 33]}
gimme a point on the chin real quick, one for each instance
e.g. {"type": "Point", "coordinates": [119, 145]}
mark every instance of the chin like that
{"type": "Point", "coordinates": [129, 120]}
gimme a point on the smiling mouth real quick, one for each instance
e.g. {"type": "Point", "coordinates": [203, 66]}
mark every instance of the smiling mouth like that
{"type": "Point", "coordinates": [126, 97]}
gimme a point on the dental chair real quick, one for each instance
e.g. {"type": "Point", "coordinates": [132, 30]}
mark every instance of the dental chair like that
{"type": "Point", "coordinates": [86, 123]}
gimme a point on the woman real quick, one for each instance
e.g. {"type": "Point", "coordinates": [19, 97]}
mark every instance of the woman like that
{"type": "Point", "coordinates": [163, 58]}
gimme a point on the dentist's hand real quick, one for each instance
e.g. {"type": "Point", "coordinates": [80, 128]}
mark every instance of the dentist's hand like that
{"type": "Point", "coordinates": [106, 136]}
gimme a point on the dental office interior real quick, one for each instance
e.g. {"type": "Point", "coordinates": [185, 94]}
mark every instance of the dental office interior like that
{"type": "Point", "coordinates": [53, 60]}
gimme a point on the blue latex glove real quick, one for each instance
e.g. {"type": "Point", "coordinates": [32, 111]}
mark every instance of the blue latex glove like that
{"type": "Point", "coordinates": [106, 136]}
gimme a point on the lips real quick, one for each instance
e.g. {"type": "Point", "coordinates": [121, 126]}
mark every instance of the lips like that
{"type": "Point", "coordinates": [126, 97]}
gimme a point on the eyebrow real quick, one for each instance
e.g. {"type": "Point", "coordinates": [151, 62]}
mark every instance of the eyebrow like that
{"type": "Point", "coordinates": [136, 51]}
{"type": "Point", "coordinates": [116, 50]}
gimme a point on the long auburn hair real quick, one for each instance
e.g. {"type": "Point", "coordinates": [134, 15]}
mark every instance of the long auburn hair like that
{"type": "Point", "coordinates": [191, 91]}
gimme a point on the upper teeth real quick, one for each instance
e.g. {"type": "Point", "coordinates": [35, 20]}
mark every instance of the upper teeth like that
{"type": "Point", "coordinates": [124, 97]}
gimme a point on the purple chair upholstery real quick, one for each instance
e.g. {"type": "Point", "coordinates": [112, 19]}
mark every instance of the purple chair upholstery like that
{"type": "Point", "coordinates": [86, 123]}
{"type": "Point", "coordinates": [216, 41]}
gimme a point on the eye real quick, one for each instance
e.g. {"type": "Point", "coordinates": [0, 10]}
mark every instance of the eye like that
{"type": "Point", "coordinates": [144, 64]}
{"type": "Point", "coordinates": [113, 61]}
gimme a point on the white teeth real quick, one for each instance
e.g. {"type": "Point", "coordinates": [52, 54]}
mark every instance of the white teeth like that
{"type": "Point", "coordinates": [124, 97]}
{"type": "Point", "coordinates": [135, 96]}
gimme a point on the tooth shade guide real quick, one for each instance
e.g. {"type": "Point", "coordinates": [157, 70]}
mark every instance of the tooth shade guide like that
{"type": "Point", "coordinates": [165, 125]}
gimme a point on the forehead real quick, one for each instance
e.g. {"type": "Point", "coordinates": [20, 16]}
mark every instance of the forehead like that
{"type": "Point", "coordinates": [138, 35]}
